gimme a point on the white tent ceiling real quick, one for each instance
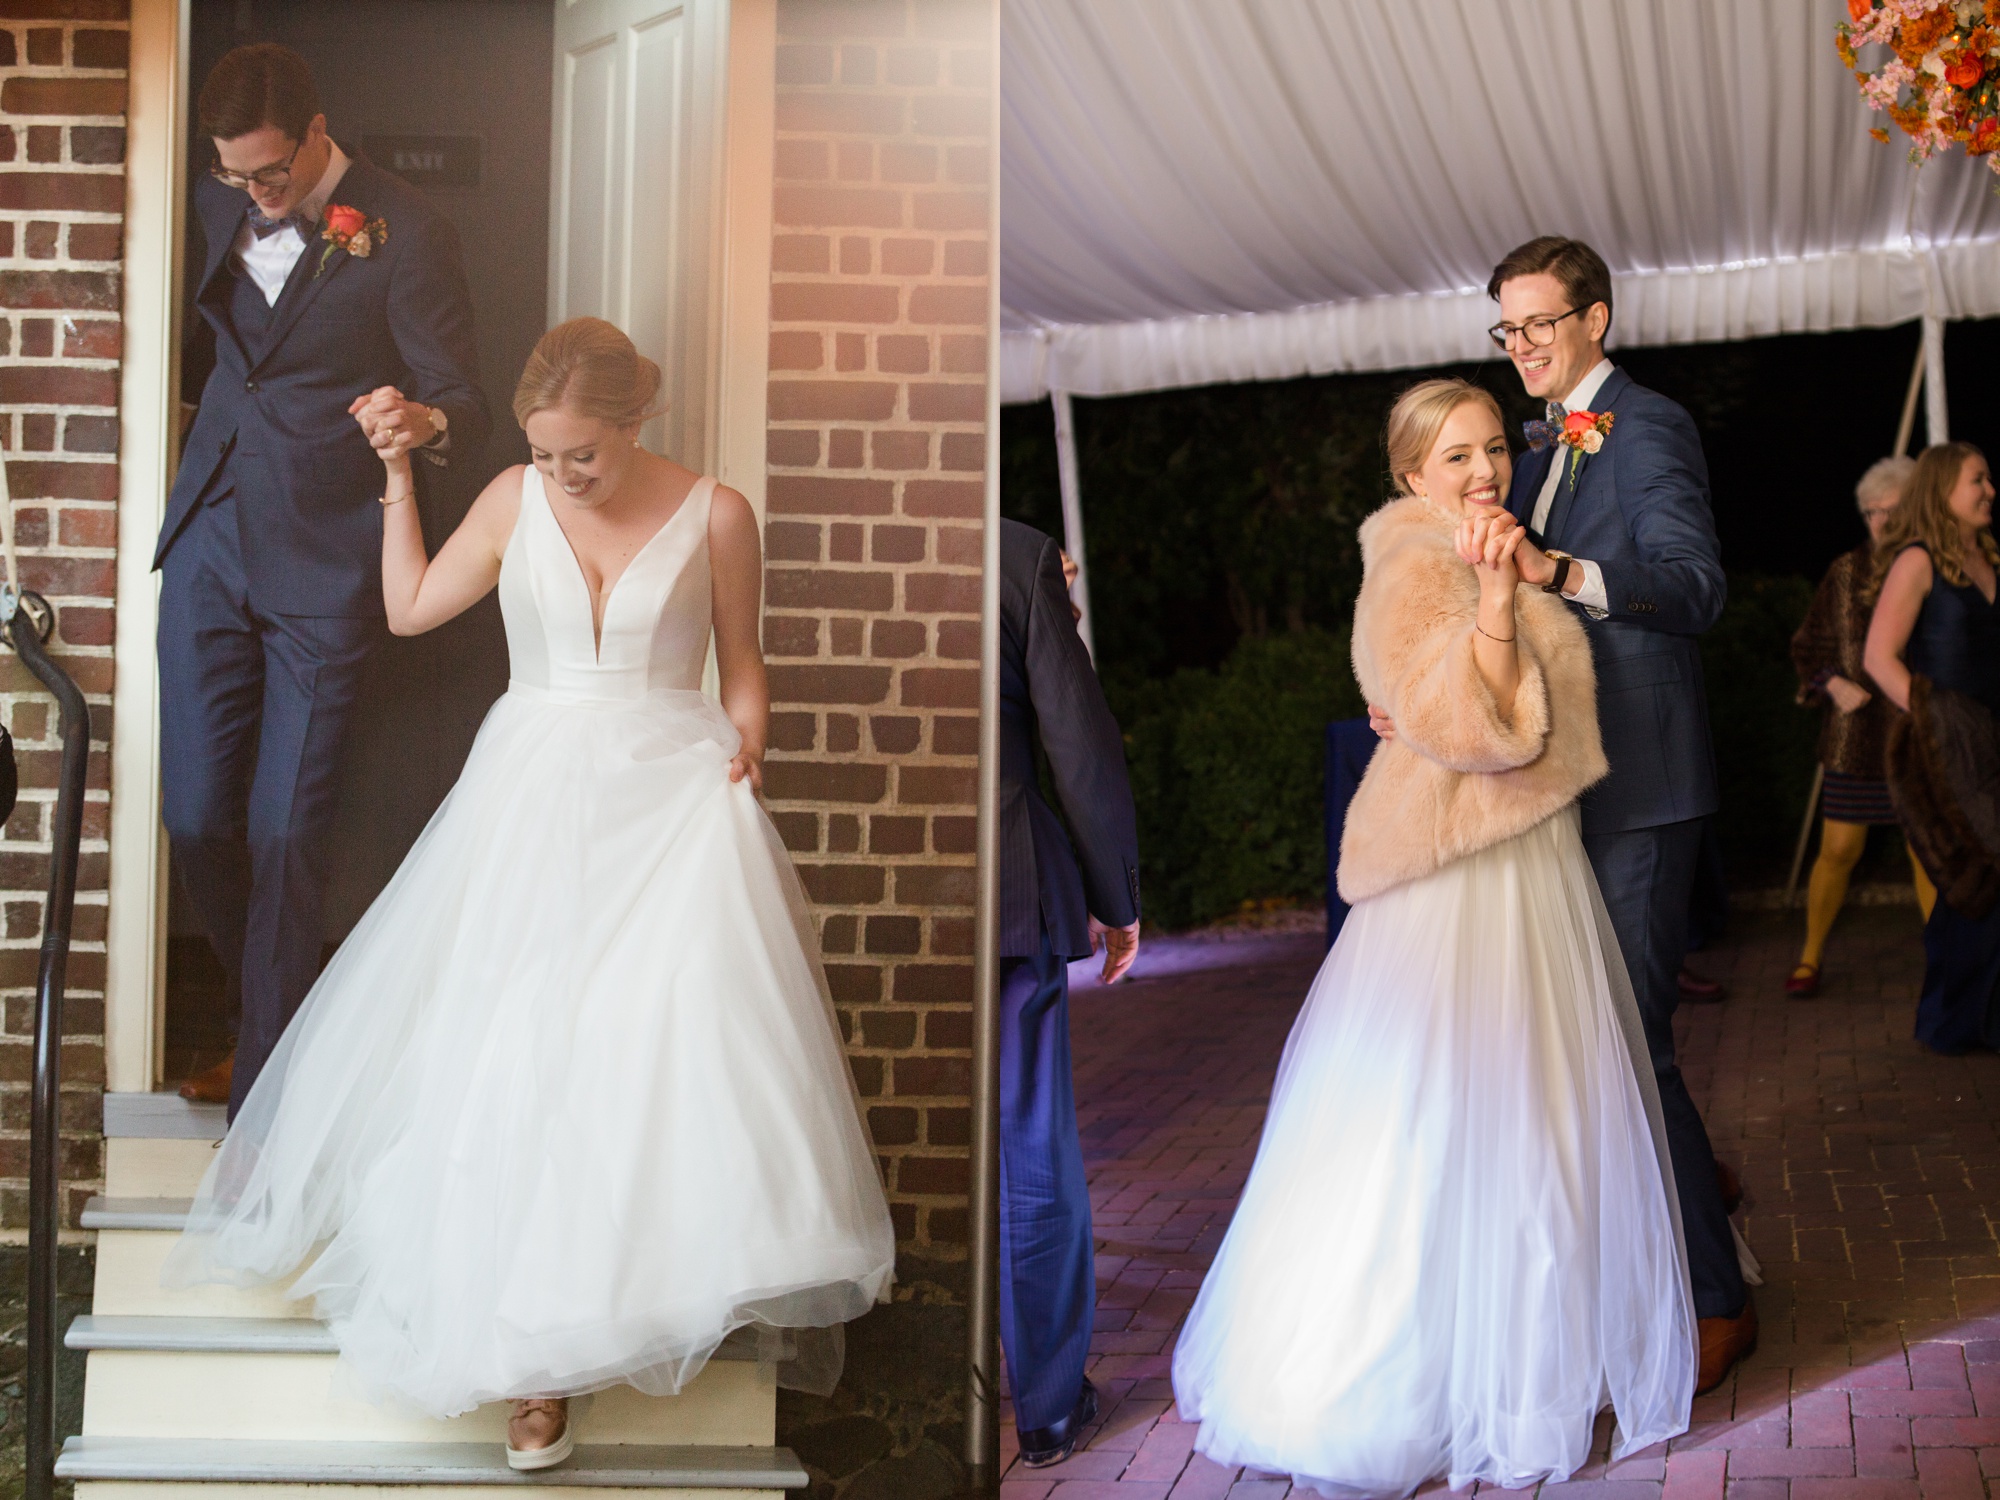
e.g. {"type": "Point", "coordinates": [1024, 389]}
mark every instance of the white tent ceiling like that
{"type": "Point", "coordinates": [1197, 191]}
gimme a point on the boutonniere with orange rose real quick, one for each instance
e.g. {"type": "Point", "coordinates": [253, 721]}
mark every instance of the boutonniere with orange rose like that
{"type": "Point", "coordinates": [1583, 433]}
{"type": "Point", "coordinates": [351, 230]}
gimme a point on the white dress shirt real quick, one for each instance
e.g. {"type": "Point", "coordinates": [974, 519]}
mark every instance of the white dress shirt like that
{"type": "Point", "coordinates": [269, 261]}
{"type": "Point", "coordinates": [1591, 594]}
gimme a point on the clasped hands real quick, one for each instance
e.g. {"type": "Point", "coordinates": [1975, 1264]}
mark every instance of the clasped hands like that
{"type": "Point", "coordinates": [392, 423]}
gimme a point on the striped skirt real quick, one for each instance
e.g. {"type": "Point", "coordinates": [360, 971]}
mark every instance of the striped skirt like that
{"type": "Point", "coordinates": [1856, 799]}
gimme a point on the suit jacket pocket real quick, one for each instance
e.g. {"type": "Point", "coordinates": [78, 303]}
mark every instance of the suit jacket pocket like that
{"type": "Point", "coordinates": [1649, 669]}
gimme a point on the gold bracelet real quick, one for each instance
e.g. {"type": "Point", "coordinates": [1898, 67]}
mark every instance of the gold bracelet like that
{"type": "Point", "coordinates": [1505, 640]}
{"type": "Point", "coordinates": [386, 501]}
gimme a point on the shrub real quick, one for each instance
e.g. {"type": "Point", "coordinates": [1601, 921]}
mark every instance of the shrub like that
{"type": "Point", "coordinates": [1228, 769]}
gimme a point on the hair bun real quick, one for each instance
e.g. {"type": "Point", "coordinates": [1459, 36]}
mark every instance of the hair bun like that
{"type": "Point", "coordinates": [589, 367]}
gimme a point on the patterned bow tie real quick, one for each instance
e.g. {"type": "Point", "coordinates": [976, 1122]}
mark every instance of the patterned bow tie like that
{"type": "Point", "coordinates": [264, 227]}
{"type": "Point", "coordinates": [1541, 434]}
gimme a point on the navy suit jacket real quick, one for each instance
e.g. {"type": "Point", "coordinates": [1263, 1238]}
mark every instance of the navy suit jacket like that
{"type": "Point", "coordinates": [1050, 693]}
{"type": "Point", "coordinates": [1639, 509]}
{"type": "Point", "coordinates": [273, 422]}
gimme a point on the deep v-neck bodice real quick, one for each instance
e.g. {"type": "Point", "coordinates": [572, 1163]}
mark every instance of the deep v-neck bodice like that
{"type": "Point", "coordinates": [654, 635]}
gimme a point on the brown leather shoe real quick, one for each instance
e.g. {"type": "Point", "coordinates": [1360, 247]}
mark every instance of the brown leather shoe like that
{"type": "Point", "coordinates": [1730, 1186]}
{"type": "Point", "coordinates": [1723, 1342]}
{"type": "Point", "coordinates": [211, 1086]}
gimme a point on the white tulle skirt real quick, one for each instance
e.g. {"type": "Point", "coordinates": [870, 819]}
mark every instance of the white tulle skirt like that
{"type": "Point", "coordinates": [570, 1105]}
{"type": "Point", "coordinates": [1460, 1239]}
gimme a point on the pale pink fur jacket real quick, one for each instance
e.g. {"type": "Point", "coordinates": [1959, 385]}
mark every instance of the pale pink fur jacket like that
{"type": "Point", "coordinates": [1459, 775]}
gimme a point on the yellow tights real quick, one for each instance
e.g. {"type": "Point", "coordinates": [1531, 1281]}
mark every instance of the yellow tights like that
{"type": "Point", "coordinates": [1840, 846]}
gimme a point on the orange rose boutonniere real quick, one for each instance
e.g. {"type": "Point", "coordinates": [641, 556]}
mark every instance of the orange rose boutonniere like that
{"type": "Point", "coordinates": [351, 230]}
{"type": "Point", "coordinates": [1583, 433]}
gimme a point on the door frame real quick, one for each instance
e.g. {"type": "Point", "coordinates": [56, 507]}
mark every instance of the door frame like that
{"type": "Point", "coordinates": [149, 410]}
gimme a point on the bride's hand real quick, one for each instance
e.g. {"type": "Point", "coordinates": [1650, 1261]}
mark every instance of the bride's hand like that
{"type": "Point", "coordinates": [1496, 567]}
{"type": "Point", "coordinates": [378, 413]}
{"type": "Point", "coordinates": [743, 765]}
{"type": "Point", "coordinates": [1477, 533]}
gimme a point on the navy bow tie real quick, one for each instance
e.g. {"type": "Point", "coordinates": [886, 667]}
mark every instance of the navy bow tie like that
{"type": "Point", "coordinates": [264, 227]}
{"type": "Point", "coordinates": [1541, 434]}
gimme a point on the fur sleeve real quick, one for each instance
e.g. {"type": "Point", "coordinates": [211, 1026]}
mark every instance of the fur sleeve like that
{"type": "Point", "coordinates": [1414, 628]}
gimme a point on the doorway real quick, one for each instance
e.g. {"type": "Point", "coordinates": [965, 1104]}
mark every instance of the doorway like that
{"type": "Point", "coordinates": [590, 118]}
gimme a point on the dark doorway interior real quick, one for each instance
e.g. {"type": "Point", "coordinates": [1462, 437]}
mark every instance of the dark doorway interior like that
{"type": "Point", "coordinates": [455, 94]}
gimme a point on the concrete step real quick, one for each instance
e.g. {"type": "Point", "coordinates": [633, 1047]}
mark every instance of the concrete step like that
{"type": "Point", "coordinates": [595, 1466]}
{"type": "Point", "coordinates": [128, 1283]}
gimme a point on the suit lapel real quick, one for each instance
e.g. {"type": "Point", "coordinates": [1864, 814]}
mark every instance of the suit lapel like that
{"type": "Point", "coordinates": [1567, 488]}
{"type": "Point", "coordinates": [316, 267]}
{"type": "Point", "coordinates": [222, 219]}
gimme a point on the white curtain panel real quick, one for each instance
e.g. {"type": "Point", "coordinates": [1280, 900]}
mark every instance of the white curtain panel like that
{"type": "Point", "coordinates": [1197, 191]}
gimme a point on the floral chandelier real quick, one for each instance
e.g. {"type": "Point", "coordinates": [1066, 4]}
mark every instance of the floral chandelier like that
{"type": "Point", "coordinates": [1942, 83]}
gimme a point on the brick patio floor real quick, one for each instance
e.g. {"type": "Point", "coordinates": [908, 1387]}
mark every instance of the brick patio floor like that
{"type": "Point", "coordinates": [1871, 1172]}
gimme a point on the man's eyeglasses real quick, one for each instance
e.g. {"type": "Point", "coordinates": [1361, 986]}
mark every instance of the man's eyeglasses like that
{"type": "Point", "coordinates": [1540, 332]}
{"type": "Point", "coordinates": [269, 178]}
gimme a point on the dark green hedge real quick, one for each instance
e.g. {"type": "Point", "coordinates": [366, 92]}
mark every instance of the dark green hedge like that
{"type": "Point", "coordinates": [1227, 764]}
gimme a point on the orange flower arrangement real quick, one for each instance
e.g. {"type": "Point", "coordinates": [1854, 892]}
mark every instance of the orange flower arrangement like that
{"type": "Point", "coordinates": [1941, 81]}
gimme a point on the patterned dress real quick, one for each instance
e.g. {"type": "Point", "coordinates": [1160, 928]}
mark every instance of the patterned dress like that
{"type": "Point", "coordinates": [1830, 643]}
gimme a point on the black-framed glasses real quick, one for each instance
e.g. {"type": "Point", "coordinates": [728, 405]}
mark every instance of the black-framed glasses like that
{"type": "Point", "coordinates": [1540, 332]}
{"type": "Point", "coordinates": [271, 178]}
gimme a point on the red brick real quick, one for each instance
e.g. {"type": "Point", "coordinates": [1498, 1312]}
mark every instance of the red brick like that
{"type": "Point", "coordinates": [826, 683]}
{"type": "Point", "coordinates": [63, 96]}
{"type": "Point", "coordinates": [950, 211]}
{"type": "Point", "coordinates": [854, 161]}
{"type": "Point", "coordinates": [935, 885]}
{"type": "Point", "coordinates": [895, 736]}
{"type": "Point", "coordinates": [964, 305]}
{"type": "Point", "coordinates": [837, 207]}
{"type": "Point", "coordinates": [826, 495]}
{"type": "Point", "coordinates": [786, 447]}
{"type": "Point", "coordinates": [903, 354]}
{"type": "Point", "coordinates": [941, 593]}
{"type": "Point", "coordinates": [92, 338]}
{"type": "Point", "coordinates": [37, 479]}
{"type": "Point", "coordinates": [821, 781]}
{"type": "Point", "coordinates": [833, 302]}
{"type": "Point", "coordinates": [950, 1077]}
{"type": "Point", "coordinates": [900, 450]}
{"type": "Point", "coordinates": [947, 403]}
{"type": "Point", "coordinates": [940, 687]}
{"type": "Point", "coordinates": [801, 160]}
{"type": "Point", "coordinates": [805, 64]}
{"type": "Point", "coordinates": [83, 291]}
{"type": "Point", "coordinates": [801, 253]}
{"type": "Point", "coordinates": [96, 241]}
{"type": "Point", "coordinates": [842, 885]}
{"type": "Point", "coordinates": [927, 786]}
{"type": "Point", "coordinates": [967, 258]}
{"type": "Point", "coordinates": [935, 1176]}
{"type": "Point", "coordinates": [897, 544]}
{"type": "Point", "coordinates": [102, 49]}
{"type": "Point", "coordinates": [897, 639]}
{"type": "Point", "coordinates": [790, 587]}
{"type": "Point", "coordinates": [797, 350]}
{"type": "Point", "coordinates": [904, 162]}
{"type": "Point", "coordinates": [838, 400]}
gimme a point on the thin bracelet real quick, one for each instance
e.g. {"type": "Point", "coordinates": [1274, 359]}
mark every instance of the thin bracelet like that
{"type": "Point", "coordinates": [1505, 640]}
{"type": "Point", "coordinates": [386, 501]}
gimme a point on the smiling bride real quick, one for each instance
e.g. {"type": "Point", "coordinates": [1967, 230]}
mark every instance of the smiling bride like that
{"type": "Point", "coordinates": [570, 1105]}
{"type": "Point", "coordinates": [1459, 1239]}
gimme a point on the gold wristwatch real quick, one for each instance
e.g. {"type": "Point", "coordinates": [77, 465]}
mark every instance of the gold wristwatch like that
{"type": "Point", "coordinates": [1563, 561]}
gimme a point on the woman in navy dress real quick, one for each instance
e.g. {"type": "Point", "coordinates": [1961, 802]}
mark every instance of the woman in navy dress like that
{"type": "Point", "coordinates": [1936, 618]}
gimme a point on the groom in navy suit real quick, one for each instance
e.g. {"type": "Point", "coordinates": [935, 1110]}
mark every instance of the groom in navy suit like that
{"type": "Point", "coordinates": [1620, 525]}
{"type": "Point", "coordinates": [325, 279]}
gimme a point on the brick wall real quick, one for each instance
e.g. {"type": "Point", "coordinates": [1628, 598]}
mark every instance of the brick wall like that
{"type": "Point", "coordinates": [62, 192]}
{"type": "Point", "coordinates": [877, 452]}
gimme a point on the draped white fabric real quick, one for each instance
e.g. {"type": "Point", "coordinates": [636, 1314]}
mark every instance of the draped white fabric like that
{"type": "Point", "coordinates": [1197, 191]}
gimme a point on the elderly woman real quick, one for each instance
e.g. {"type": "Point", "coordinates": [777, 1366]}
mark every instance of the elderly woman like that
{"type": "Point", "coordinates": [1827, 653]}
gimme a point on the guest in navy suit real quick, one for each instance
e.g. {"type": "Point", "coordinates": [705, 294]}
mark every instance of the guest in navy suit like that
{"type": "Point", "coordinates": [325, 279]}
{"type": "Point", "coordinates": [1619, 523]}
{"type": "Point", "coordinates": [1051, 911]}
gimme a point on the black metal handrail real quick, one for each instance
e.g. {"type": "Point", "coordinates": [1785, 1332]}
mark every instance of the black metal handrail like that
{"type": "Point", "coordinates": [44, 1164]}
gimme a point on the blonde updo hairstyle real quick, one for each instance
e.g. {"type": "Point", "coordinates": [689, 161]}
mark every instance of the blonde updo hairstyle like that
{"type": "Point", "coordinates": [591, 368]}
{"type": "Point", "coordinates": [1419, 416]}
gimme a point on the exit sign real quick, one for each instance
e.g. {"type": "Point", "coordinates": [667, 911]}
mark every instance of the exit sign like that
{"type": "Point", "coordinates": [427, 161]}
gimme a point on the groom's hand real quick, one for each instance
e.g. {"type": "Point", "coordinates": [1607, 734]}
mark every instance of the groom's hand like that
{"type": "Point", "coordinates": [1121, 946]}
{"type": "Point", "coordinates": [1534, 565]}
{"type": "Point", "coordinates": [1381, 723]}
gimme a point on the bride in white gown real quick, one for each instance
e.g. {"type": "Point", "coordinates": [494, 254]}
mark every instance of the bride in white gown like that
{"type": "Point", "coordinates": [570, 1104]}
{"type": "Point", "coordinates": [1459, 1241]}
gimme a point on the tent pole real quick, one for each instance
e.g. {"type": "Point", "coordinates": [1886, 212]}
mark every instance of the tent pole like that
{"type": "Point", "coordinates": [1072, 511]}
{"type": "Point", "coordinates": [1936, 413]}
{"type": "Point", "coordinates": [1909, 420]}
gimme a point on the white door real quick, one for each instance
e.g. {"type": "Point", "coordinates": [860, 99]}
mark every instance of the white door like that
{"type": "Point", "coordinates": [638, 89]}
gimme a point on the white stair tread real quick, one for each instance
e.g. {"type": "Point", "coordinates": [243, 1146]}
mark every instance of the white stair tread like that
{"type": "Point", "coordinates": [136, 1213]}
{"type": "Point", "coordinates": [201, 1335]}
{"type": "Point", "coordinates": [162, 1117]}
{"type": "Point", "coordinates": [603, 1465]}
{"type": "Point", "coordinates": [167, 1334]}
